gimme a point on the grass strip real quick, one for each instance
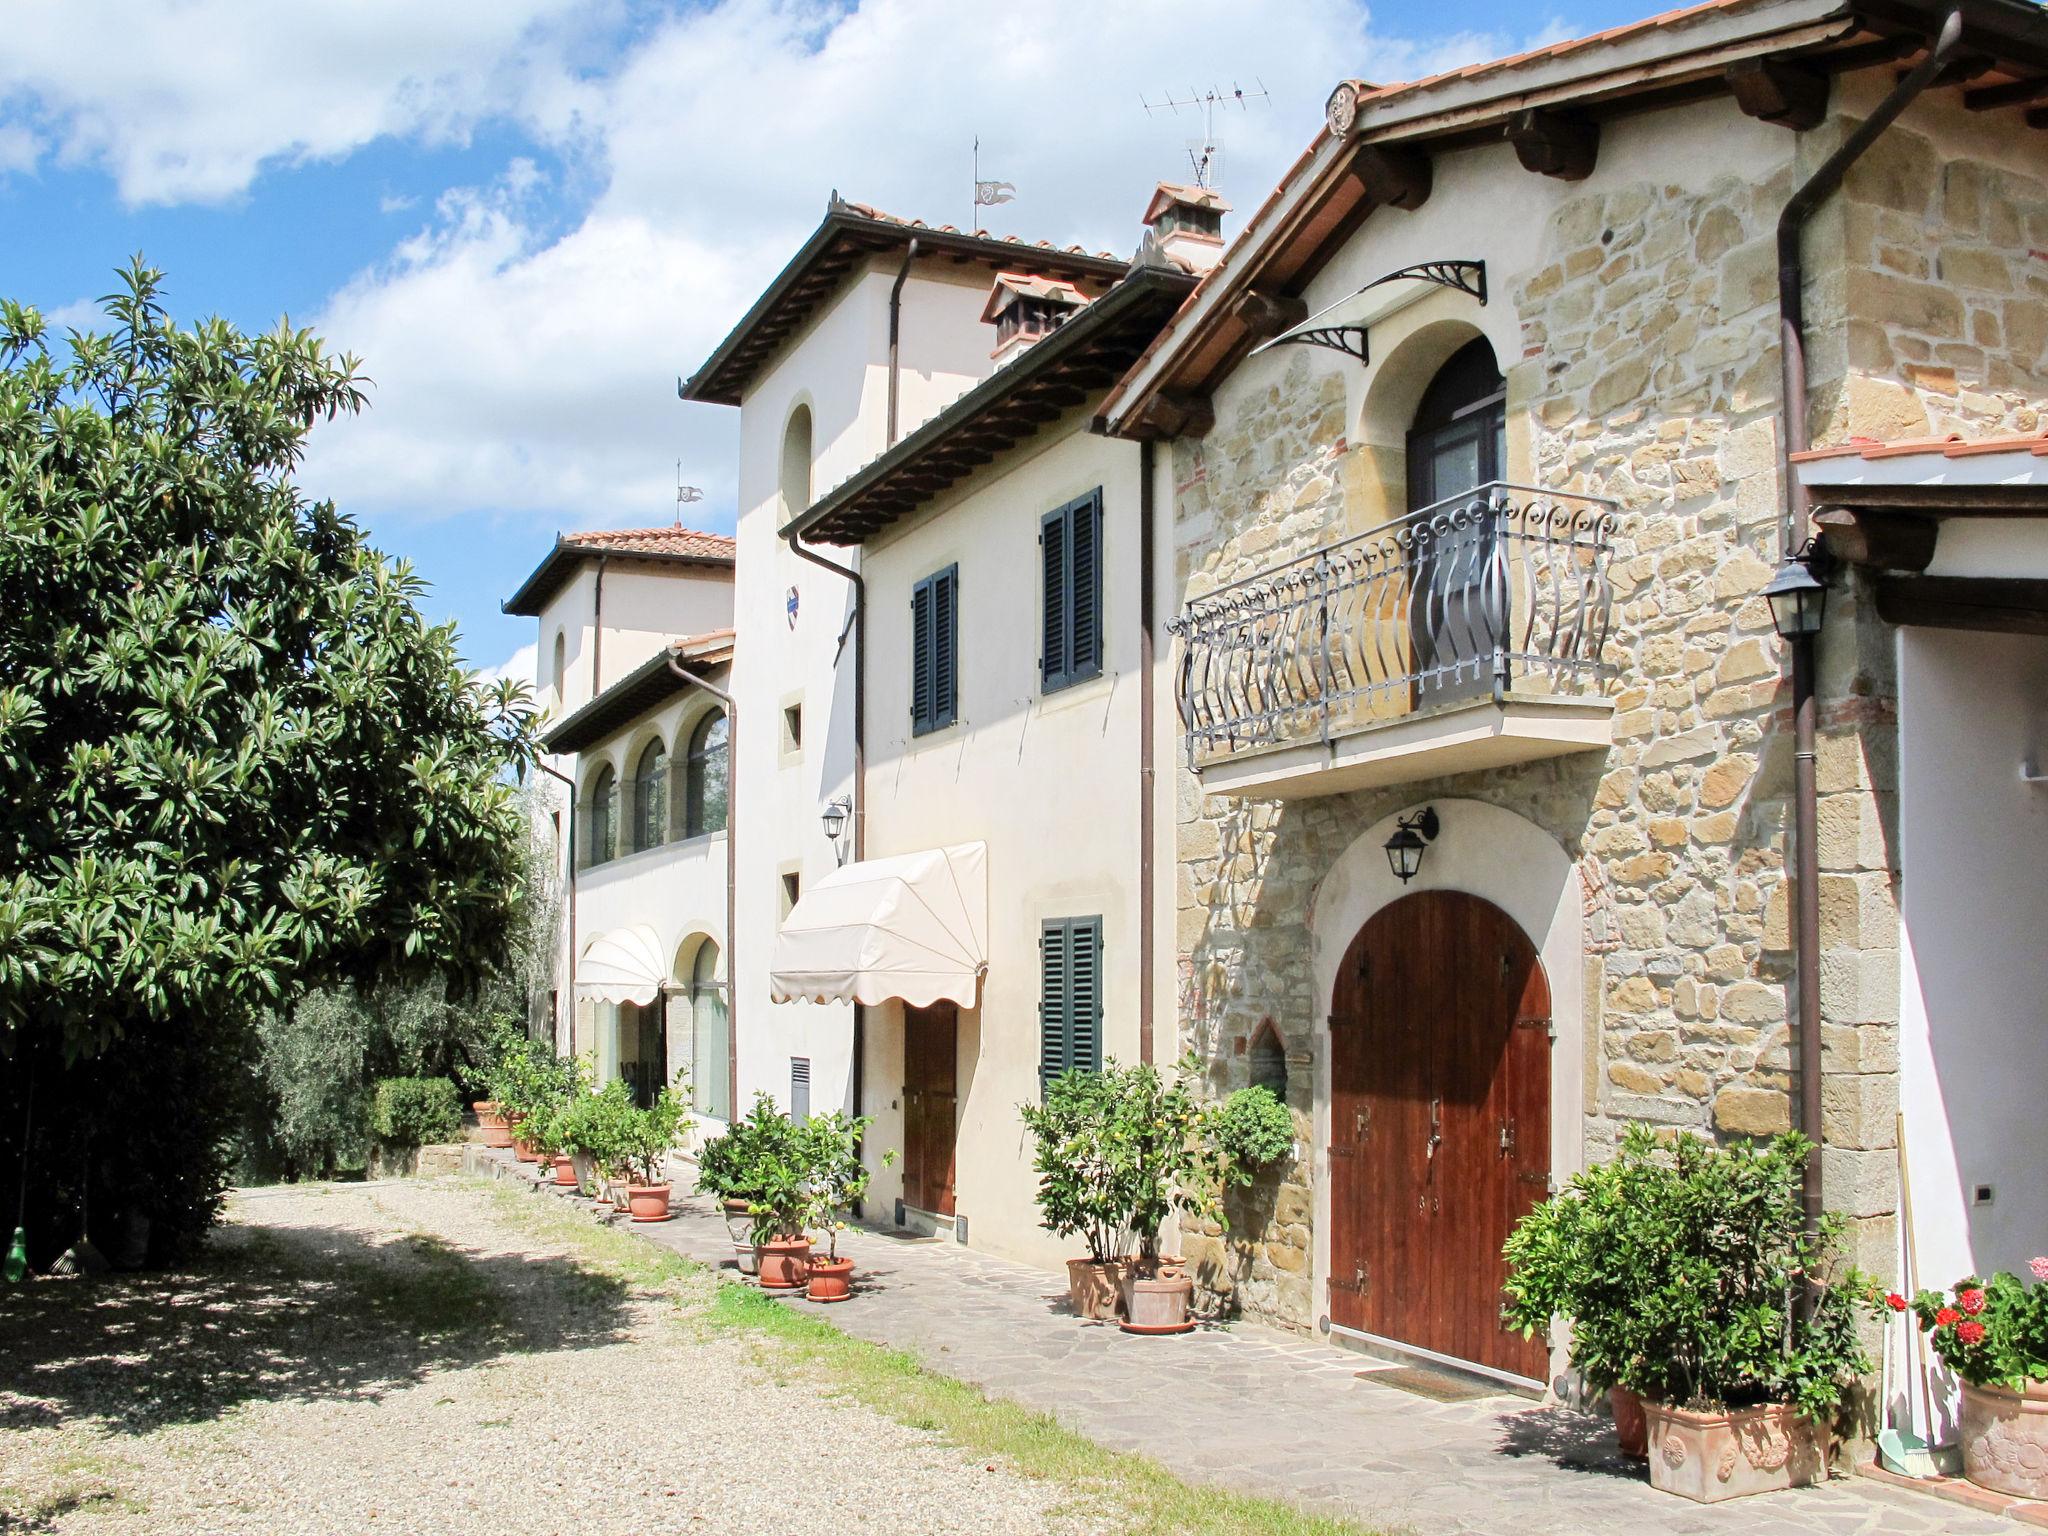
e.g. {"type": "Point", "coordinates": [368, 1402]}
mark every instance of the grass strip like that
{"type": "Point", "coordinates": [1141, 1493]}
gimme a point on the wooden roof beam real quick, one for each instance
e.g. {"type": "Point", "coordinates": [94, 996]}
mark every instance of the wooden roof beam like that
{"type": "Point", "coordinates": [1265, 314]}
{"type": "Point", "coordinates": [1780, 91]}
{"type": "Point", "coordinates": [1393, 176]}
{"type": "Point", "coordinates": [1884, 541]}
{"type": "Point", "coordinates": [1172, 414]}
{"type": "Point", "coordinates": [2002, 605]}
{"type": "Point", "coordinates": [1554, 143]}
{"type": "Point", "coordinates": [2016, 93]}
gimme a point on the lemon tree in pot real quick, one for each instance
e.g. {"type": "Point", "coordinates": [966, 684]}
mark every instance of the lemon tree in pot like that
{"type": "Point", "coordinates": [646, 1138]}
{"type": "Point", "coordinates": [836, 1181]}
{"type": "Point", "coordinates": [1081, 1189]}
{"type": "Point", "coordinates": [1993, 1333]}
{"type": "Point", "coordinates": [728, 1170]}
{"type": "Point", "coordinates": [781, 1204]}
{"type": "Point", "coordinates": [1689, 1279]}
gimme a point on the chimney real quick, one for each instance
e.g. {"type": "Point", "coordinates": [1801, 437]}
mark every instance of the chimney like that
{"type": "Point", "coordinates": [1025, 309]}
{"type": "Point", "coordinates": [1185, 225]}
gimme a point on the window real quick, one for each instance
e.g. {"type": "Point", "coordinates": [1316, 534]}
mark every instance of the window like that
{"type": "Point", "coordinates": [799, 1087]}
{"type": "Point", "coordinates": [792, 888]}
{"type": "Point", "coordinates": [650, 819]}
{"type": "Point", "coordinates": [710, 1036]}
{"type": "Point", "coordinates": [1070, 551]}
{"type": "Point", "coordinates": [561, 664]}
{"type": "Point", "coordinates": [1459, 438]}
{"type": "Point", "coordinates": [792, 728]}
{"type": "Point", "coordinates": [604, 816]}
{"type": "Point", "coordinates": [1458, 443]}
{"type": "Point", "coordinates": [1069, 997]}
{"type": "Point", "coordinates": [704, 777]}
{"type": "Point", "coordinates": [795, 469]}
{"type": "Point", "coordinates": [934, 650]}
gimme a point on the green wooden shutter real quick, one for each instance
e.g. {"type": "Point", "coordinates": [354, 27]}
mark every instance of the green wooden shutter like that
{"type": "Point", "coordinates": [1052, 1002]}
{"type": "Point", "coordinates": [1084, 994]}
{"type": "Point", "coordinates": [921, 657]}
{"type": "Point", "coordinates": [945, 646]}
{"type": "Point", "coordinates": [1052, 642]}
{"type": "Point", "coordinates": [1084, 602]}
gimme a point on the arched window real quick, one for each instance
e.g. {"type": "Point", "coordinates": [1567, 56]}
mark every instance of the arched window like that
{"type": "Point", "coordinates": [795, 482]}
{"type": "Point", "coordinates": [1268, 1060]}
{"type": "Point", "coordinates": [705, 776]}
{"type": "Point", "coordinates": [604, 816]}
{"type": "Point", "coordinates": [1459, 437]}
{"type": "Point", "coordinates": [710, 1037]}
{"type": "Point", "coordinates": [650, 814]}
{"type": "Point", "coordinates": [561, 673]}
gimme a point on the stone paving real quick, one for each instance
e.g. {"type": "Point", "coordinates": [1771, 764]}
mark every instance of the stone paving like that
{"type": "Point", "coordinates": [1265, 1412]}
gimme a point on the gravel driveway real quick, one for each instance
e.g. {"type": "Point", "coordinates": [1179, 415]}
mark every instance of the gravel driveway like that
{"type": "Point", "coordinates": [398, 1357]}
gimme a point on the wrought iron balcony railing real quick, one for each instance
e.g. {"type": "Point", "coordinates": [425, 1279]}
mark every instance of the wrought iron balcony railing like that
{"type": "Point", "coordinates": [1503, 589]}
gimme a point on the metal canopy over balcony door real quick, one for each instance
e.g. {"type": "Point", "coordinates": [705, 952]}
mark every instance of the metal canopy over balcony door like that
{"type": "Point", "coordinates": [1439, 1126]}
{"type": "Point", "coordinates": [931, 1091]}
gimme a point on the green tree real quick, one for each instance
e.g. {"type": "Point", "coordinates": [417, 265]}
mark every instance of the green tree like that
{"type": "Point", "coordinates": [235, 761]}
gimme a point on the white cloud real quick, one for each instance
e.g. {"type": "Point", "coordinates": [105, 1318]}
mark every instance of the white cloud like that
{"type": "Point", "coordinates": [186, 100]}
{"type": "Point", "coordinates": [520, 666]}
{"type": "Point", "coordinates": [536, 372]}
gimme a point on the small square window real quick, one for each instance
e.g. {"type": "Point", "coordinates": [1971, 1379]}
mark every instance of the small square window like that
{"type": "Point", "coordinates": [792, 728]}
{"type": "Point", "coordinates": [792, 887]}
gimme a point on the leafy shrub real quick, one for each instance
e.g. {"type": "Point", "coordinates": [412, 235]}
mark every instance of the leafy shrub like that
{"type": "Point", "coordinates": [837, 1177]}
{"type": "Point", "coordinates": [730, 1167]}
{"type": "Point", "coordinates": [647, 1136]}
{"type": "Point", "coordinates": [1992, 1333]}
{"type": "Point", "coordinates": [416, 1111]}
{"type": "Point", "coordinates": [598, 1125]}
{"type": "Point", "coordinates": [1681, 1268]}
{"type": "Point", "coordinates": [1079, 1193]}
{"type": "Point", "coordinates": [1253, 1130]}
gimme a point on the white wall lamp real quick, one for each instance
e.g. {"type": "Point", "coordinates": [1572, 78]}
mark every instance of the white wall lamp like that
{"type": "Point", "coordinates": [834, 816]}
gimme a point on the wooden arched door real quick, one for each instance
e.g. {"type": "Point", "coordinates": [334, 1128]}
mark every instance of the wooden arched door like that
{"type": "Point", "coordinates": [1439, 1125]}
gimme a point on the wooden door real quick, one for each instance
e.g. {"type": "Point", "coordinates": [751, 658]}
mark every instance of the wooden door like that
{"type": "Point", "coordinates": [931, 1056]}
{"type": "Point", "coordinates": [1440, 1124]}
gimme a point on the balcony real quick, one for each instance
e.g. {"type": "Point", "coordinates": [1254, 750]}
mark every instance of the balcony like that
{"type": "Point", "coordinates": [1466, 635]}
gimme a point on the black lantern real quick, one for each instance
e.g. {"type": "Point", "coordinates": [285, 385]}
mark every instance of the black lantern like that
{"type": "Point", "coordinates": [1798, 593]}
{"type": "Point", "coordinates": [1412, 834]}
{"type": "Point", "coordinates": [834, 816]}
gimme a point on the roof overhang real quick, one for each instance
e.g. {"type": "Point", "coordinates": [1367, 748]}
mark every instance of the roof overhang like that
{"type": "Point", "coordinates": [1053, 377]}
{"type": "Point", "coordinates": [562, 562]}
{"type": "Point", "coordinates": [913, 927]}
{"type": "Point", "coordinates": [1380, 158]}
{"type": "Point", "coordinates": [846, 238]}
{"type": "Point", "coordinates": [1963, 478]}
{"type": "Point", "coordinates": [648, 686]}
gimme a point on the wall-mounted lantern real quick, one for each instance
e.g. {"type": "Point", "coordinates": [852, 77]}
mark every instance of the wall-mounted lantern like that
{"type": "Point", "coordinates": [1798, 593]}
{"type": "Point", "coordinates": [834, 816]}
{"type": "Point", "coordinates": [1412, 834]}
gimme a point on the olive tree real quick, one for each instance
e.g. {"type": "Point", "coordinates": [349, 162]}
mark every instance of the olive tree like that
{"type": "Point", "coordinates": [235, 761]}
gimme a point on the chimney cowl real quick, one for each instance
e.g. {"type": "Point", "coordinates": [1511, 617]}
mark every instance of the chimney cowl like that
{"type": "Point", "coordinates": [1186, 224]}
{"type": "Point", "coordinates": [1025, 308]}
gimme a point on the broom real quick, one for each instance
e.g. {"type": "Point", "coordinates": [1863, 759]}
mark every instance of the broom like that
{"type": "Point", "coordinates": [1901, 1450]}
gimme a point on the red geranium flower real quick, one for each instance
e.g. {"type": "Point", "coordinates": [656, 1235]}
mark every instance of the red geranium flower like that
{"type": "Point", "coordinates": [1971, 1332]}
{"type": "Point", "coordinates": [1971, 1301]}
{"type": "Point", "coordinates": [1946, 1316]}
{"type": "Point", "coordinates": [1896, 1302]}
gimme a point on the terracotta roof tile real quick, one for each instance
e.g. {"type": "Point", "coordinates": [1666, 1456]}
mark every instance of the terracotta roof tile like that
{"type": "Point", "coordinates": [1951, 447]}
{"type": "Point", "coordinates": [673, 540]}
{"type": "Point", "coordinates": [870, 211]}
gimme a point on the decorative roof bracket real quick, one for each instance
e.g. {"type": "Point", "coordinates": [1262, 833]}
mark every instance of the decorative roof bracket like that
{"type": "Point", "coordinates": [1350, 335]}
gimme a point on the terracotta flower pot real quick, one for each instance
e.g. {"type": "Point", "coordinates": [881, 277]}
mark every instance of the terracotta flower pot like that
{"type": "Point", "coordinates": [496, 1133]}
{"type": "Point", "coordinates": [1158, 1303]}
{"type": "Point", "coordinates": [785, 1263]}
{"type": "Point", "coordinates": [647, 1202]}
{"type": "Point", "coordinates": [830, 1280]}
{"type": "Point", "coordinates": [565, 1172]}
{"type": "Point", "coordinates": [2005, 1439]}
{"type": "Point", "coordinates": [525, 1150]}
{"type": "Point", "coordinates": [1715, 1456]}
{"type": "Point", "coordinates": [1095, 1290]}
{"type": "Point", "coordinates": [1630, 1427]}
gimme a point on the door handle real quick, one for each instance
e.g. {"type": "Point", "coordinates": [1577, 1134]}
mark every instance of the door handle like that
{"type": "Point", "coordinates": [1436, 1125]}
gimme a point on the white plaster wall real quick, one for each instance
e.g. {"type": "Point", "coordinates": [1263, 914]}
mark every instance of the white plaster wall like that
{"type": "Point", "coordinates": [1485, 851]}
{"type": "Point", "coordinates": [645, 607]}
{"type": "Point", "coordinates": [1973, 846]}
{"type": "Point", "coordinates": [1991, 546]}
{"type": "Point", "coordinates": [1049, 782]}
{"type": "Point", "coordinates": [838, 367]}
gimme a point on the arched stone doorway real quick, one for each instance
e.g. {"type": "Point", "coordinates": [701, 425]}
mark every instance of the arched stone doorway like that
{"type": "Point", "coordinates": [1439, 1124]}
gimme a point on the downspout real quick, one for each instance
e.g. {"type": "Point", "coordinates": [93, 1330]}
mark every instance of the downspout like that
{"type": "Point", "coordinates": [1146, 777]}
{"type": "Point", "coordinates": [860, 722]}
{"type": "Point", "coordinates": [895, 334]}
{"type": "Point", "coordinates": [557, 773]}
{"type": "Point", "coordinates": [597, 632]}
{"type": "Point", "coordinates": [732, 800]}
{"type": "Point", "coordinates": [1794, 535]}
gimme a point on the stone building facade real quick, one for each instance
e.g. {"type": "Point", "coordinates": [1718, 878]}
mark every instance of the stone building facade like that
{"type": "Point", "coordinates": [1644, 308]}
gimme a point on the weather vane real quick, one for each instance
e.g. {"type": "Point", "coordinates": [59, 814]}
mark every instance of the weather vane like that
{"type": "Point", "coordinates": [685, 494]}
{"type": "Point", "coordinates": [1206, 153]}
{"type": "Point", "coordinates": [986, 193]}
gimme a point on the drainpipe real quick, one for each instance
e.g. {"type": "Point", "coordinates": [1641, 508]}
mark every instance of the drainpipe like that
{"type": "Point", "coordinates": [556, 773]}
{"type": "Point", "coordinates": [1794, 535]}
{"type": "Point", "coordinates": [732, 799]}
{"type": "Point", "coordinates": [597, 632]}
{"type": "Point", "coordinates": [1146, 777]}
{"type": "Point", "coordinates": [895, 331]}
{"type": "Point", "coordinates": [860, 711]}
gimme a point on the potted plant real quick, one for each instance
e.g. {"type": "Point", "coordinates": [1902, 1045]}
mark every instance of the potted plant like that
{"type": "Point", "coordinates": [1080, 1192]}
{"type": "Point", "coordinates": [837, 1179]}
{"type": "Point", "coordinates": [646, 1138]}
{"type": "Point", "coordinates": [1993, 1333]}
{"type": "Point", "coordinates": [1689, 1278]}
{"type": "Point", "coordinates": [727, 1171]}
{"type": "Point", "coordinates": [781, 1203]}
{"type": "Point", "coordinates": [593, 1130]}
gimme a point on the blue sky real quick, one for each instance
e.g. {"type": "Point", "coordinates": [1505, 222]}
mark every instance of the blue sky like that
{"type": "Point", "coordinates": [529, 216]}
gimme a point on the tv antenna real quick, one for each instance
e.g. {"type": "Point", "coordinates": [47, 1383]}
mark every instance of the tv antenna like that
{"type": "Point", "coordinates": [1205, 155]}
{"type": "Point", "coordinates": [685, 494]}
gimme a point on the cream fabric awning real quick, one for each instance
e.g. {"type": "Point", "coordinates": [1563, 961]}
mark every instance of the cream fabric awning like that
{"type": "Point", "coordinates": [913, 927]}
{"type": "Point", "coordinates": [622, 966]}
